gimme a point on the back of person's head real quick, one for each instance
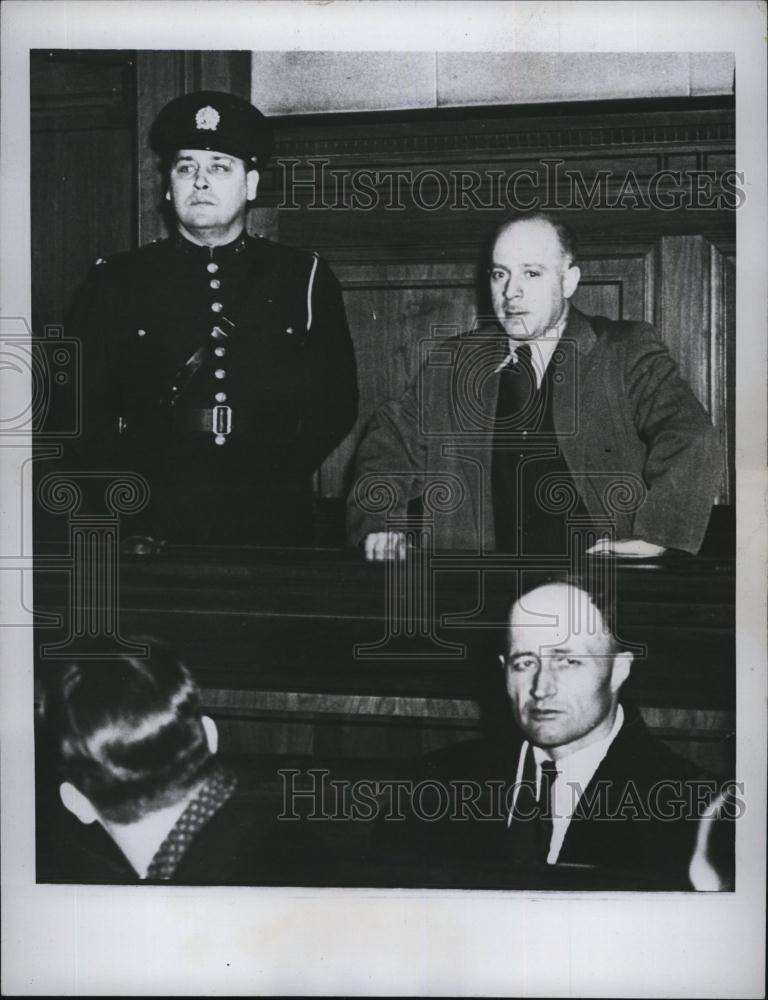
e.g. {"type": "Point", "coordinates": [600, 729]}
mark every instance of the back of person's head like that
{"type": "Point", "coordinates": [128, 733]}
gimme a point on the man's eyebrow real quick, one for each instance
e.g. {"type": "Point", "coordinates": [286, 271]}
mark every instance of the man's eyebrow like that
{"type": "Point", "coordinates": [503, 267]}
{"type": "Point", "coordinates": [543, 650]}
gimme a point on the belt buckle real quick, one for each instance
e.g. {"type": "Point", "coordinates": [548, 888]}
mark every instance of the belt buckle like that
{"type": "Point", "coordinates": [222, 419]}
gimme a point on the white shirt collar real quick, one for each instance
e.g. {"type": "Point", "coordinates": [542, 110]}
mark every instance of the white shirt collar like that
{"type": "Point", "coordinates": [542, 348]}
{"type": "Point", "coordinates": [577, 764]}
{"type": "Point", "coordinates": [574, 773]}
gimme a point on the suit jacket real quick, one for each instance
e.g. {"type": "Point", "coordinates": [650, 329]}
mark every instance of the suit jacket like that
{"type": "Point", "coordinates": [638, 815]}
{"type": "Point", "coordinates": [267, 327]}
{"type": "Point", "coordinates": [640, 448]}
{"type": "Point", "coordinates": [241, 844]}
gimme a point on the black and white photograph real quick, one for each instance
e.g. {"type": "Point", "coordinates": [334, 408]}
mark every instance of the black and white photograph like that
{"type": "Point", "coordinates": [384, 500]}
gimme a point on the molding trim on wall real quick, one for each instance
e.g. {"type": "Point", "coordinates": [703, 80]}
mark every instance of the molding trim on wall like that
{"type": "Point", "coordinates": [532, 141]}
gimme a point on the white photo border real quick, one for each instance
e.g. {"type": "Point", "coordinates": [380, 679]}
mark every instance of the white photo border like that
{"type": "Point", "coordinates": [152, 940]}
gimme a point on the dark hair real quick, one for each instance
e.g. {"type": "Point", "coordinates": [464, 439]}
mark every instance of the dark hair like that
{"type": "Point", "coordinates": [565, 234]}
{"type": "Point", "coordinates": [127, 732]}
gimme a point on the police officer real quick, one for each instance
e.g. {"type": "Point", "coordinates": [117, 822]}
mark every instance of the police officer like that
{"type": "Point", "coordinates": [216, 364]}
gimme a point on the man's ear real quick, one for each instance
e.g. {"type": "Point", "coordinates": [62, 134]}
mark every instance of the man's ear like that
{"type": "Point", "coordinates": [571, 279]}
{"type": "Point", "coordinates": [211, 733]}
{"type": "Point", "coordinates": [622, 664]}
{"type": "Point", "coordinates": [251, 184]}
{"type": "Point", "coordinates": [74, 800]}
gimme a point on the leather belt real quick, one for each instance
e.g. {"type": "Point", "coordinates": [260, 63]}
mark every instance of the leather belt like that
{"type": "Point", "coordinates": [213, 420]}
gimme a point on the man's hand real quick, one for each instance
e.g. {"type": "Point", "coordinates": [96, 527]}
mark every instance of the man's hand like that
{"type": "Point", "coordinates": [633, 548]}
{"type": "Point", "coordinates": [382, 545]}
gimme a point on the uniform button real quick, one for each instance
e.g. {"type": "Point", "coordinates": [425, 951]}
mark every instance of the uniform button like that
{"type": "Point", "coordinates": [212, 268]}
{"type": "Point", "coordinates": [215, 283]}
{"type": "Point", "coordinates": [216, 307]}
{"type": "Point", "coordinates": [141, 333]}
{"type": "Point", "coordinates": [217, 333]}
{"type": "Point", "coordinates": [220, 397]}
{"type": "Point", "coordinates": [220, 373]}
{"type": "Point", "coordinates": [220, 439]}
{"type": "Point", "coordinates": [289, 329]}
{"type": "Point", "coordinates": [220, 352]}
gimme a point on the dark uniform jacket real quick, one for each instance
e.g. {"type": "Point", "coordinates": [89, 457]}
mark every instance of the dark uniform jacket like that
{"type": "Point", "coordinates": [224, 376]}
{"type": "Point", "coordinates": [640, 449]}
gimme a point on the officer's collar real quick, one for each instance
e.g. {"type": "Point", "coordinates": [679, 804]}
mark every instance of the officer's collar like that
{"type": "Point", "coordinates": [185, 246]}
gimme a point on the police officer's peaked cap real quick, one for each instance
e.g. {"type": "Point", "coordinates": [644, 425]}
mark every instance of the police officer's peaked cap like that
{"type": "Point", "coordinates": [213, 120]}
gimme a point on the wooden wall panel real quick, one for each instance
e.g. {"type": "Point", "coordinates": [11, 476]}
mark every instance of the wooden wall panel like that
{"type": "Point", "coordinates": [695, 316]}
{"type": "Point", "coordinates": [618, 286]}
{"type": "Point", "coordinates": [683, 306]}
{"type": "Point", "coordinates": [392, 309]}
{"type": "Point", "coordinates": [82, 181]}
{"type": "Point", "coordinates": [456, 174]}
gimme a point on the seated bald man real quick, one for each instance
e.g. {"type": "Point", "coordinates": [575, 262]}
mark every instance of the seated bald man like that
{"type": "Point", "coordinates": [584, 781]}
{"type": "Point", "coordinates": [511, 433]}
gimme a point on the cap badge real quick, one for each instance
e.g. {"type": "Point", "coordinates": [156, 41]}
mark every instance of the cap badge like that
{"type": "Point", "coordinates": [207, 118]}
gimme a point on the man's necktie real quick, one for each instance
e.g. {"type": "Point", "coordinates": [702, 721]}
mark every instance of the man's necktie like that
{"type": "Point", "coordinates": [523, 357]}
{"type": "Point", "coordinates": [544, 809]}
{"type": "Point", "coordinates": [530, 827]}
{"type": "Point", "coordinates": [518, 392]}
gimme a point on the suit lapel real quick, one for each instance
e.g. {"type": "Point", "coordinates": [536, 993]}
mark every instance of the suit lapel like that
{"type": "Point", "coordinates": [590, 835]}
{"type": "Point", "coordinates": [571, 397]}
{"type": "Point", "coordinates": [475, 395]}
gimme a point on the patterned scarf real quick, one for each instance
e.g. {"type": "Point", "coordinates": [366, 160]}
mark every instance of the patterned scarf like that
{"type": "Point", "coordinates": [211, 797]}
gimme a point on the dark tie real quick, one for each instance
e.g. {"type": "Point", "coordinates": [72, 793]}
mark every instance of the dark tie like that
{"type": "Point", "coordinates": [544, 809]}
{"type": "Point", "coordinates": [531, 825]}
{"type": "Point", "coordinates": [518, 393]}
